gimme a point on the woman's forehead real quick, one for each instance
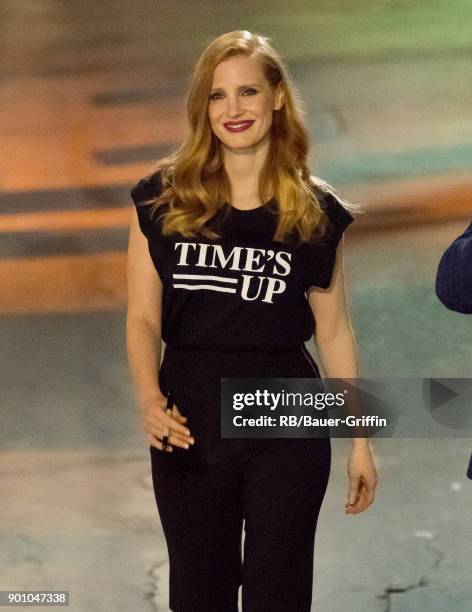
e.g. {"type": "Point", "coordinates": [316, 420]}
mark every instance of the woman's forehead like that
{"type": "Point", "coordinates": [238, 71]}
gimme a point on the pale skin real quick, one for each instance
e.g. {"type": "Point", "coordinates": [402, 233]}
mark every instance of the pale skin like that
{"type": "Point", "coordinates": [337, 350]}
{"type": "Point", "coordinates": [239, 92]}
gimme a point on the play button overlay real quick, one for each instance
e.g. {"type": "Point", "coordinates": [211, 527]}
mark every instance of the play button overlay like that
{"type": "Point", "coordinates": [449, 401]}
{"type": "Point", "coordinates": [439, 394]}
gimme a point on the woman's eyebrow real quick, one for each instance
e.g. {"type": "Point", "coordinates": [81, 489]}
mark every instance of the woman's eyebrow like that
{"type": "Point", "coordinates": [240, 87]}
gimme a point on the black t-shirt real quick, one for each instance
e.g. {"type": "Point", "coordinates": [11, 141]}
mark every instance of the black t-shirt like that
{"type": "Point", "coordinates": [242, 291]}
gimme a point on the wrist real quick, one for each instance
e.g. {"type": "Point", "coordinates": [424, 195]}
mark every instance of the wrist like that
{"type": "Point", "coordinates": [146, 398]}
{"type": "Point", "coordinates": [361, 443]}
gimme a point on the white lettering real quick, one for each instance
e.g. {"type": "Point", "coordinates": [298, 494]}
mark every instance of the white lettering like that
{"type": "Point", "coordinates": [274, 285]}
{"type": "Point", "coordinates": [285, 264]}
{"type": "Point", "coordinates": [202, 255]}
{"type": "Point", "coordinates": [245, 288]}
{"type": "Point", "coordinates": [184, 252]}
{"type": "Point", "coordinates": [251, 258]}
{"type": "Point", "coordinates": [253, 287]}
{"type": "Point", "coordinates": [219, 254]}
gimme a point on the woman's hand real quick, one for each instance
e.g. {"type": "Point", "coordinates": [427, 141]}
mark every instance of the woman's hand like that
{"type": "Point", "coordinates": [156, 423]}
{"type": "Point", "coordinates": [362, 478]}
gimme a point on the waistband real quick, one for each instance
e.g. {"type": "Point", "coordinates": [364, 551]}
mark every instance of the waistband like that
{"type": "Point", "coordinates": [231, 352]}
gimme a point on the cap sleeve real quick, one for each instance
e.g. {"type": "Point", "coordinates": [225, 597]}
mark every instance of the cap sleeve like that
{"type": "Point", "coordinates": [322, 251]}
{"type": "Point", "coordinates": [144, 190]}
{"type": "Point", "coordinates": [454, 275]}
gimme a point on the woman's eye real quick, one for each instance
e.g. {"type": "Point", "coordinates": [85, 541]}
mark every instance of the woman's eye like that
{"type": "Point", "coordinates": [215, 96]}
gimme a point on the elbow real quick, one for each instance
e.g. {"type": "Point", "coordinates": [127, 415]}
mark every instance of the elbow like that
{"type": "Point", "coordinates": [329, 334]}
{"type": "Point", "coordinates": [140, 321]}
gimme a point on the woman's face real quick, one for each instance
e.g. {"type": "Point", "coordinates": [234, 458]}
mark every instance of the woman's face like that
{"type": "Point", "coordinates": [241, 93]}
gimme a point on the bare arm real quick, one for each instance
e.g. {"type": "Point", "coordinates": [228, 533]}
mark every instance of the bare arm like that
{"type": "Point", "coordinates": [337, 350]}
{"type": "Point", "coordinates": [334, 335]}
{"type": "Point", "coordinates": [143, 320]}
{"type": "Point", "coordinates": [143, 342]}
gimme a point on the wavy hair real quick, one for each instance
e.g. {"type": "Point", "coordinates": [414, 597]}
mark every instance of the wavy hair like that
{"type": "Point", "coordinates": [194, 180]}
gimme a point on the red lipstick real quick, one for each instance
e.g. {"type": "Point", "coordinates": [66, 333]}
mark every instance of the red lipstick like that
{"type": "Point", "coordinates": [238, 126]}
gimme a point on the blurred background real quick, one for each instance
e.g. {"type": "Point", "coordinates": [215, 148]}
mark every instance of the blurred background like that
{"type": "Point", "coordinates": [91, 95]}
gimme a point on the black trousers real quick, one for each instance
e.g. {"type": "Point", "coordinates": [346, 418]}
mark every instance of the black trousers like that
{"type": "Point", "coordinates": [203, 494]}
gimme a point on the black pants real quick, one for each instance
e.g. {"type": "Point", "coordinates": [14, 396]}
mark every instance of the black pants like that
{"type": "Point", "coordinates": [204, 493]}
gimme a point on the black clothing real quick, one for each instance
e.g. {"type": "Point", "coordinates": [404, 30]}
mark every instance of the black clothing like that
{"type": "Point", "coordinates": [193, 377]}
{"type": "Point", "coordinates": [236, 307]}
{"type": "Point", "coordinates": [454, 275]}
{"type": "Point", "coordinates": [243, 291]}
{"type": "Point", "coordinates": [454, 281]}
{"type": "Point", "coordinates": [203, 494]}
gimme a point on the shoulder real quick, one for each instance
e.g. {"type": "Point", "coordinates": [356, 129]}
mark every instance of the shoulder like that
{"type": "Point", "coordinates": [336, 211]}
{"type": "Point", "coordinates": [460, 251]}
{"type": "Point", "coordinates": [144, 194]}
{"type": "Point", "coordinates": [333, 206]}
{"type": "Point", "coordinates": [147, 188]}
{"type": "Point", "coordinates": [465, 239]}
{"type": "Point", "coordinates": [454, 274]}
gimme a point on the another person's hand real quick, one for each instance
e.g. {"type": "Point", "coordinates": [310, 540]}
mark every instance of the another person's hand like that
{"type": "Point", "coordinates": [157, 424]}
{"type": "Point", "coordinates": [363, 479]}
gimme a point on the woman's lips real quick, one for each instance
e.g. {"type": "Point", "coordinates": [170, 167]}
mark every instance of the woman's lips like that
{"type": "Point", "coordinates": [240, 126]}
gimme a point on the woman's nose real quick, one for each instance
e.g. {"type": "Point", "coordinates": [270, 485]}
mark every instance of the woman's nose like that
{"type": "Point", "coordinates": [233, 106]}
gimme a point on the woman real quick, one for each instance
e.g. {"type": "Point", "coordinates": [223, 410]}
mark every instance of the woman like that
{"type": "Point", "coordinates": [248, 253]}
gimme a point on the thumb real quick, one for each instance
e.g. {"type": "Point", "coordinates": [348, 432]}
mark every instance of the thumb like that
{"type": "Point", "coordinates": [176, 411]}
{"type": "Point", "coordinates": [353, 490]}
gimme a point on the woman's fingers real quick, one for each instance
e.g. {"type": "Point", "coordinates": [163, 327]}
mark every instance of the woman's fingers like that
{"type": "Point", "coordinates": [153, 441]}
{"type": "Point", "coordinates": [172, 437]}
{"type": "Point", "coordinates": [158, 417]}
{"type": "Point", "coordinates": [369, 486]}
{"type": "Point", "coordinates": [365, 498]}
{"type": "Point", "coordinates": [165, 426]}
{"type": "Point", "coordinates": [175, 411]}
{"type": "Point", "coordinates": [169, 421]}
{"type": "Point", "coordinates": [357, 506]}
{"type": "Point", "coordinates": [160, 423]}
{"type": "Point", "coordinates": [353, 492]}
{"type": "Point", "coordinates": [156, 426]}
